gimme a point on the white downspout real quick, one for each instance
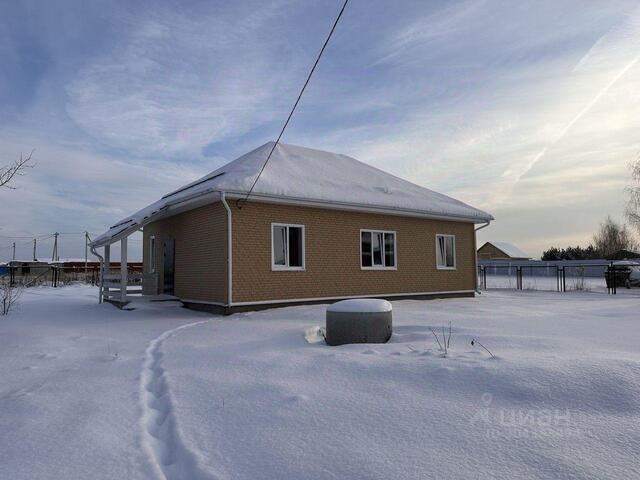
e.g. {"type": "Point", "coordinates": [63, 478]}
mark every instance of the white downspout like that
{"type": "Point", "coordinates": [93, 250]}
{"type": "Point", "coordinates": [475, 249]}
{"type": "Point", "coordinates": [229, 251]}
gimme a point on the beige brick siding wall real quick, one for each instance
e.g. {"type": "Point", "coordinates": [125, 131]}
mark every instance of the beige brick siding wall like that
{"type": "Point", "coordinates": [332, 240]}
{"type": "Point", "coordinates": [488, 251]}
{"type": "Point", "coordinates": [200, 252]}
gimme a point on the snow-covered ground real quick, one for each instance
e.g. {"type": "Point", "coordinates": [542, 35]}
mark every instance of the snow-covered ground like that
{"type": "Point", "coordinates": [88, 391]}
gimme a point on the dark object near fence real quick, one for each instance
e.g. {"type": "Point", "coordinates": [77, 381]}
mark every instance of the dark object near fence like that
{"type": "Point", "coordinates": [619, 276]}
{"type": "Point", "coordinates": [358, 321]}
{"type": "Point", "coordinates": [616, 276]}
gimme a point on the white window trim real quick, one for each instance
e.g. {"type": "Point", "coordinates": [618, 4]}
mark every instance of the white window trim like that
{"type": "Point", "coordinates": [278, 268]}
{"type": "Point", "coordinates": [455, 261]}
{"type": "Point", "coordinates": [152, 254]}
{"type": "Point", "coordinates": [395, 250]}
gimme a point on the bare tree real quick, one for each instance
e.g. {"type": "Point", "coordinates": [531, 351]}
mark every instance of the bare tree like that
{"type": "Point", "coordinates": [612, 237]}
{"type": "Point", "coordinates": [633, 201]}
{"type": "Point", "coordinates": [9, 295]}
{"type": "Point", "coordinates": [17, 168]}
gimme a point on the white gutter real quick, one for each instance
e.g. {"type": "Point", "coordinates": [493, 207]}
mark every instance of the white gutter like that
{"type": "Point", "coordinates": [475, 248]}
{"type": "Point", "coordinates": [356, 207]}
{"type": "Point", "coordinates": [171, 207]}
{"type": "Point", "coordinates": [223, 199]}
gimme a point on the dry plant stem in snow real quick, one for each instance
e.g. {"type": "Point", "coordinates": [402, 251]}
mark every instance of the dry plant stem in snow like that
{"type": "Point", "coordinates": [474, 341]}
{"type": "Point", "coordinates": [446, 340]}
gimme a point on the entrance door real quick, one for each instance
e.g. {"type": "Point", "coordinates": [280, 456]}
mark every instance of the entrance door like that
{"type": "Point", "coordinates": [168, 250]}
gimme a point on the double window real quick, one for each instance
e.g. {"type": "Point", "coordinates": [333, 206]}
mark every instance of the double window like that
{"type": "Point", "coordinates": [446, 252]}
{"type": "Point", "coordinates": [287, 247]}
{"type": "Point", "coordinates": [377, 250]}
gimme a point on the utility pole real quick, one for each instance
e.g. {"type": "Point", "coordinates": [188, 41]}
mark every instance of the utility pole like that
{"type": "Point", "coordinates": [54, 255]}
{"type": "Point", "coordinates": [14, 250]}
{"type": "Point", "coordinates": [86, 251]}
{"type": "Point", "coordinates": [34, 249]}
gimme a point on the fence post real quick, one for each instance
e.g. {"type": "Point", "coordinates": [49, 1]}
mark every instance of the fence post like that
{"type": "Point", "coordinates": [564, 279]}
{"type": "Point", "coordinates": [484, 276]}
{"type": "Point", "coordinates": [615, 280]}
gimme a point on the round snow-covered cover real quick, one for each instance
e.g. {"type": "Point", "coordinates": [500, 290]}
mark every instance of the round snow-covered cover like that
{"type": "Point", "coordinates": [363, 305]}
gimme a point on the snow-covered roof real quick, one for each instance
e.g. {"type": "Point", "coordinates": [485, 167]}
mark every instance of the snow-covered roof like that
{"type": "Point", "coordinates": [627, 262]}
{"type": "Point", "coordinates": [510, 249]}
{"type": "Point", "coordinates": [306, 175]}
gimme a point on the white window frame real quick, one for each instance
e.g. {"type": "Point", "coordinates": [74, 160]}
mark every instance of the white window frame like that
{"type": "Point", "coordinates": [286, 267]}
{"type": "Point", "coordinates": [455, 262]}
{"type": "Point", "coordinates": [152, 254]}
{"type": "Point", "coordinates": [395, 250]}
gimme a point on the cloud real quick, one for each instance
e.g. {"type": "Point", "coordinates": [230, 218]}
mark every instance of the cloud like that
{"type": "Point", "coordinates": [175, 82]}
{"type": "Point", "coordinates": [526, 109]}
{"type": "Point", "coordinates": [73, 190]}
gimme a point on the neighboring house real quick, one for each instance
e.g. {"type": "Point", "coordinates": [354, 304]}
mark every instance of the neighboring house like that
{"type": "Point", "coordinates": [318, 227]}
{"type": "Point", "coordinates": [623, 255]}
{"type": "Point", "coordinates": [79, 263]}
{"type": "Point", "coordinates": [501, 251]}
{"type": "Point", "coordinates": [28, 267]}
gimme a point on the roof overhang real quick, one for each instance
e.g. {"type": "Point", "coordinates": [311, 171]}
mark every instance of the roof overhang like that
{"type": "Point", "coordinates": [181, 205]}
{"type": "Point", "coordinates": [355, 207]}
{"type": "Point", "coordinates": [205, 197]}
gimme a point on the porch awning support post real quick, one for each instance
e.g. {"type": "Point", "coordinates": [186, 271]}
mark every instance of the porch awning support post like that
{"type": "Point", "coordinates": [106, 268]}
{"type": "Point", "coordinates": [123, 270]}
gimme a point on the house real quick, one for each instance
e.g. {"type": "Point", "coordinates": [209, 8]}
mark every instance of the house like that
{"type": "Point", "coordinates": [318, 227]}
{"type": "Point", "coordinates": [501, 251]}
{"type": "Point", "coordinates": [91, 264]}
{"type": "Point", "coordinates": [30, 268]}
{"type": "Point", "coordinates": [623, 255]}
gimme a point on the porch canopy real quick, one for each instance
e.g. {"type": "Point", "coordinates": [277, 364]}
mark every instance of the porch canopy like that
{"type": "Point", "coordinates": [116, 286]}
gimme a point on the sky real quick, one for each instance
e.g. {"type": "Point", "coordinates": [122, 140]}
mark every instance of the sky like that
{"type": "Point", "coordinates": [528, 110]}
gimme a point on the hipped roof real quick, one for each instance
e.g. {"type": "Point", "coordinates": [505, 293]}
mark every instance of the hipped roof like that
{"type": "Point", "coordinates": [305, 175]}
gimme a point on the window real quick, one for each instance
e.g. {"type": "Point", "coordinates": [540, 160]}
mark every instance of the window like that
{"type": "Point", "coordinates": [377, 250]}
{"type": "Point", "coordinates": [287, 247]}
{"type": "Point", "coordinates": [152, 254]}
{"type": "Point", "coordinates": [446, 252]}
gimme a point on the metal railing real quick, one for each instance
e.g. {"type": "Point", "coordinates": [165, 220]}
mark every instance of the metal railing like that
{"type": "Point", "coordinates": [136, 282]}
{"type": "Point", "coordinates": [554, 277]}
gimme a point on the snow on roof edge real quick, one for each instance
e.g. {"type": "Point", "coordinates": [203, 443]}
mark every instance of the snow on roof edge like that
{"type": "Point", "coordinates": [510, 249]}
{"type": "Point", "coordinates": [444, 207]}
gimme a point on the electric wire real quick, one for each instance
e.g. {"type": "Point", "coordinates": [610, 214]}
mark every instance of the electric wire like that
{"type": "Point", "coordinates": [284, 127]}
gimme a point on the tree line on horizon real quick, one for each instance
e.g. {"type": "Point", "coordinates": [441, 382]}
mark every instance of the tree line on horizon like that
{"type": "Point", "coordinates": [611, 236]}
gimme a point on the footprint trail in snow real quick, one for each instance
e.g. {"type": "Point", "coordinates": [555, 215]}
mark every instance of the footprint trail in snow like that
{"type": "Point", "coordinates": [170, 457]}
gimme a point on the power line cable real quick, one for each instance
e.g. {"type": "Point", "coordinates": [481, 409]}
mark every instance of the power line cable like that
{"type": "Point", "coordinates": [42, 235]}
{"type": "Point", "coordinates": [284, 127]}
